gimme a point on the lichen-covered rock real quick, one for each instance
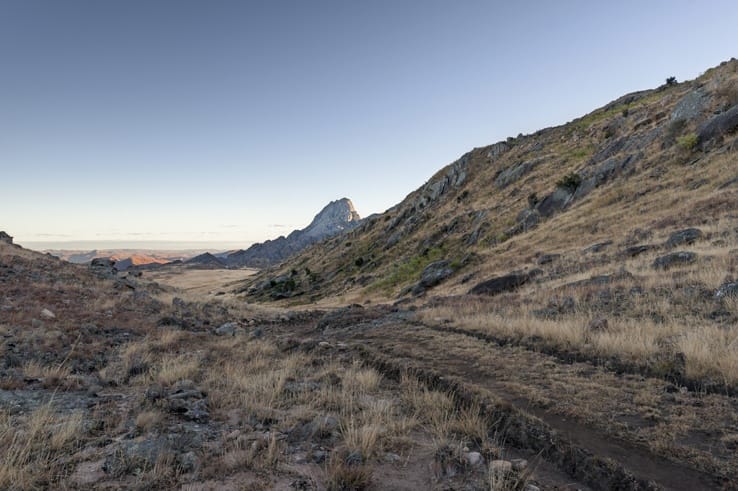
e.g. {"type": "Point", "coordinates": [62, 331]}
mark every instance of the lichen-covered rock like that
{"type": "Point", "coordinates": [684, 237]}
{"type": "Point", "coordinates": [674, 259]}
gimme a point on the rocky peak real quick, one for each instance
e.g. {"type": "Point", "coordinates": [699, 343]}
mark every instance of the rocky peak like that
{"type": "Point", "coordinates": [9, 240]}
{"type": "Point", "coordinates": [336, 216]}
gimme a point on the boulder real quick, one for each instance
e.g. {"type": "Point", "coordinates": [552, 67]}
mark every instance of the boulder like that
{"type": "Point", "coordinates": [547, 259]}
{"type": "Point", "coordinates": [554, 202]}
{"type": "Point", "coordinates": [515, 172]}
{"type": "Point", "coordinates": [729, 289]}
{"type": "Point", "coordinates": [599, 247]}
{"type": "Point", "coordinates": [686, 236]}
{"type": "Point", "coordinates": [506, 283]}
{"type": "Point", "coordinates": [227, 329]}
{"type": "Point", "coordinates": [103, 267]}
{"type": "Point", "coordinates": [674, 259]}
{"type": "Point", "coordinates": [433, 274]}
{"type": "Point", "coordinates": [717, 126]}
{"type": "Point", "coordinates": [637, 250]}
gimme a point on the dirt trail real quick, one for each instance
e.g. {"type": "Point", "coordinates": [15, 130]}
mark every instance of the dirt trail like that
{"type": "Point", "coordinates": [631, 420]}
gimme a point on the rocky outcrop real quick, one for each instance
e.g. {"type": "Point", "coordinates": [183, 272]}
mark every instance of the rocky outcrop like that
{"type": "Point", "coordinates": [506, 283]}
{"type": "Point", "coordinates": [719, 125]}
{"type": "Point", "coordinates": [674, 259]}
{"type": "Point", "coordinates": [337, 217]}
{"type": "Point", "coordinates": [6, 238]}
{"type": "Point", "coordinates": [684, 237]}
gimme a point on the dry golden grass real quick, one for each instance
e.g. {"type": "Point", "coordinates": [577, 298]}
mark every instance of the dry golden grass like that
{"type": "Point", "coordinates": [32, 445]}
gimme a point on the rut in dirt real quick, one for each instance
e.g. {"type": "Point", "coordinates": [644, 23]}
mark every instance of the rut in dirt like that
{"type": "Point", "coordinates": [392, 344]}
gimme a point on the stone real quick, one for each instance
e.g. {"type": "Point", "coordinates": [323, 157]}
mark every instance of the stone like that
{"type": "Point", "coordinates": [227, 329]}
{"type": "Point", "coordinates": [728, 289]}
{"type": "Point", "coordinates": [637, 250]}
{"type": "Point", "coordinates": [474, 459]}
{"type": "Point", "coordinates": [691, 106]}
{"type": "Point", "coordinates": [47, 314]}
{"type": "Point", "coordinates": [188, 462]}
{"type": "Point", "coordinates": [433, 274]}
{"type": "Point", "coordinates": [717, 126]}
{"type": "Point", "coordinates": [554, 202]}
{"type": "Point", "coordinates": [682, 237]}
{"type": "Point", "coordinates": [598, 324]}
{"type": "Point", "coordinates": [531, 487]}
{"type": "Point", "coordinates": [674, 259]}
{"type": "Point", "coordinates": [598, 247]}
{"type": "Point", "coordinates": [103, 267]}
{"type": "Point", "coordinates": [7, 239]}
{"type": "Point", "coordinates": [501, 284]}
{"type": "Point", "coordinates": [392, 458]}
{"type": "Point", "coordinates": [88, 473]}
{"type": "Point", "coordinates": [547, 259]}
{"type": "Point", "coordinates": [519, 465]}
{"type": "Point", "coordinates": [515, 172]}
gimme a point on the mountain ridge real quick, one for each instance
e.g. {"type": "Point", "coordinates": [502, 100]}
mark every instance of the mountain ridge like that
{"type": "Point", "coordinates": [336, 217]}
{"type": "Point", "coordinates": [476, 211]}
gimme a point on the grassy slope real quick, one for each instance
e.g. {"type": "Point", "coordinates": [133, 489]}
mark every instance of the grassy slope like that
{"type": "Point", "coordinates": [667, 187]}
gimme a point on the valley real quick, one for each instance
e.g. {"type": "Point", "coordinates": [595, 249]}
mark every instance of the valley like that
{"type": "Point", "coordinates": [554, 311]}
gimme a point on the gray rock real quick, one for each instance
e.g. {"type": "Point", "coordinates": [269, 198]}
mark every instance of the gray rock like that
{"type": "Point", "coordinates": [554, 202]}
{"type": "Point", "coordinates": [686, 236]}
{"type": "Point", "coordinates": [474, 459]}
{"type": "Point", "coordinates": [717, 126]}
{"type": "Point", "coordinates": [506, 283]}
{"type": "Point", "coordinates": [547, 259]}
{"type": "Point", "coordinates": [692, 106]}
{"type": "Point", "coordinates": [227, 329]}
{"type": "Point", "coordinates": [103, 267]}
{"type": "Point", "coordinates": [519, 465]}
{"type": "Point", "coordinates": [7, 239]}
{"type": "Point", "coordinates": [515, 172]}
{"type": "Point", "coordinates": [674, 259]}
{"type": "Point", "coordinates": [598, 247]}
{"type": "Point", "coordinates": [433, 274]}
{"type": "Point", "coordinates": [47, 314]}
{"type": "Point", "coordinates": [598, 324]}
{"type": "Point", "coordinates": [637, 250]}
{"type": "Point", "coordinates": [729, 289]}
{"type": "Point", "coordinates": [188, 462]}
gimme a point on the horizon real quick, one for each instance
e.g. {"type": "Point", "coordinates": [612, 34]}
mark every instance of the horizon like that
{"type": "Point", "coordinates": [237, 123]}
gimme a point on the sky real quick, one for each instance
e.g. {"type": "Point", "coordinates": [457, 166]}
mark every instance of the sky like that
{"type": "Point", "coordinates": [230, 122]}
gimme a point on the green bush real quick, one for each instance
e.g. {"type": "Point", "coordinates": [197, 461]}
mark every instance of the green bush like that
{"type": "Point", "coordinates": [570, 182]}
{"type": "Point", "coordinates": [687, 142]}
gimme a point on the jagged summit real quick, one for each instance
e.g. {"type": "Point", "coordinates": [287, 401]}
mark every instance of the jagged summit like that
{"type": "Point", "coordinates": [337, 217]}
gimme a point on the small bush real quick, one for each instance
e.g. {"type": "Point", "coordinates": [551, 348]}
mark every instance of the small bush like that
{"type": "Point", "coordinates": [687, 142]}
{"type": "Point", "coordinates": [671, 81]}
{"type": "Point", "coordinates": [570, 182]}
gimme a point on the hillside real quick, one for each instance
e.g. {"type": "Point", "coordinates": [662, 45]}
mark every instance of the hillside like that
{"type": "Point", "coordinates": [336, 217]}
{"type": "Point", "coordinates": [663, 158]}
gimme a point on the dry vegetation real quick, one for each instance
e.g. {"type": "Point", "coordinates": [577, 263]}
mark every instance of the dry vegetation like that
{"type": "Point", "coordinates": [125, 383]}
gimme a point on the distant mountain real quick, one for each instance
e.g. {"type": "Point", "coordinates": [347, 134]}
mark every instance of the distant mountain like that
{"type": "Point", "coordinates": [337, 217]}
{"type": "Point", "coordinates": [206, 260]}
{"type": "Point", "coordinates": [125, 258]}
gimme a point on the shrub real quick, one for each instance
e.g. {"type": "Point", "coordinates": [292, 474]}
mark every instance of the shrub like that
{"type": "Point", "coordinates": [671, 81]}
{"type": "Point", "coordinates": [570, 182]}
{"type": "Point", "coordinates": [687, 142]}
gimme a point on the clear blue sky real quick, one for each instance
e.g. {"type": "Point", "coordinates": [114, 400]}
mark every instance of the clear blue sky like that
{"type": "Point", "coordinates": [237, 120]}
